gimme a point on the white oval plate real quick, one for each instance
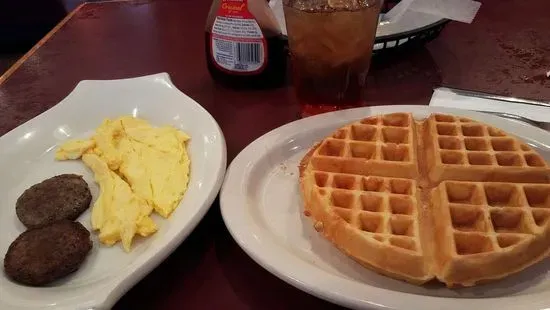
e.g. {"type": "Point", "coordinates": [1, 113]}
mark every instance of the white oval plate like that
{"type": "Point", "coordinates": [27, 157]}
{"type": "Point", "coordinates": [262, 208]}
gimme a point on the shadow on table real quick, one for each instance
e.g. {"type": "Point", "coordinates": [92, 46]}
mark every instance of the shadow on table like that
{"type": "Point", "coordinates": [23, 24]}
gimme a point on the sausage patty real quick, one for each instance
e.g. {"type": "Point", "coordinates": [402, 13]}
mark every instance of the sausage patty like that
{"type": "Point", "coordinates": [42, 255]}
{"type": "Point", "coordinates": [64, 196]}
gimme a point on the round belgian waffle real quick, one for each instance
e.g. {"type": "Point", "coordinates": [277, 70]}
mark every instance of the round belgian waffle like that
{"type": "Point", "coordinates": [446, 198]}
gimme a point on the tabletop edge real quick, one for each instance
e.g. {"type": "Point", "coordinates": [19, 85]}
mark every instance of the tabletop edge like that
{"type": "Point", "coordinates": [42, 41]}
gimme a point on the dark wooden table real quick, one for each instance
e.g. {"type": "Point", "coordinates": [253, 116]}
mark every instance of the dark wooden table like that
{"type": "Point", "coordinates": [506, 50]}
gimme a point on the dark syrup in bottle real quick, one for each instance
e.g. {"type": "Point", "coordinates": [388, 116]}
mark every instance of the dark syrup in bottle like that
{"type": "Point", "coordinates": [273, 75]}
{"type": "Point", "coordinates": [245, 50]}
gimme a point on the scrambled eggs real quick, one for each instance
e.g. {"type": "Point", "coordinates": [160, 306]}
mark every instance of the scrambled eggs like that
{"type": "Point", "coordinates": [139, 168]}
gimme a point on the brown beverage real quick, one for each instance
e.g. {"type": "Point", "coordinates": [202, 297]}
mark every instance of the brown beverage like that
{"type": "Point", "coordinates": [331, 44]}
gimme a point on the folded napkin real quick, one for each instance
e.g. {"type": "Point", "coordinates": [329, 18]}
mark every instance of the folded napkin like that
{"type": "Point", "coordinates": [445, 98]}
{"type": "Point", "coordinates": [458, 10]}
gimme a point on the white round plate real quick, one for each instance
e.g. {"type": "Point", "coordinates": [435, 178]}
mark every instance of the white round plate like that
{"type": "Point", "coordinates": [262, 208]}
{"type": "Point", "coordinates": [27, 157]}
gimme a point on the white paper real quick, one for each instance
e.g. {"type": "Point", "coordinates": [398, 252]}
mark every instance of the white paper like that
{"type": "Point", "coordinates": [445, 98]}
{"type": "Point", "coordinates": [398, 11]}
{"type": "Point", "coordinates": [277, 7]}
{"type": "Point", "coordinates": [458, 10]}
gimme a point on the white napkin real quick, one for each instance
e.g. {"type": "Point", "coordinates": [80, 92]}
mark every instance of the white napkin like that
{"type": "Point", "coordinates": [458, 10]}
{"type": "Point", "coordinates": [277, 7]}
{"type": "Point", "coordinates": [445, 98]}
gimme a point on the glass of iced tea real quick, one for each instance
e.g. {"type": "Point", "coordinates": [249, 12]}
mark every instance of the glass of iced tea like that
{"type": "Point", "coordinates": [331, 45]}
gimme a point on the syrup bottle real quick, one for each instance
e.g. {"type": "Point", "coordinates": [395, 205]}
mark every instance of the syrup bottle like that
{"type": "Point", "coordinates": [244, 45]}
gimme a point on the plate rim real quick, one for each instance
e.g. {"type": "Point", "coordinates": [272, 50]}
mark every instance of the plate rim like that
{"type": "Point", "coordinates": [110, 291]}
{"type": "Point", "coordinates": [256, 246]}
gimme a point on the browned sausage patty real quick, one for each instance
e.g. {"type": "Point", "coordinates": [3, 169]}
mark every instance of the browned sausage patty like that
{"type": "Point", "coordinates": [42, 255]}
{"type": "Point", "coordinates": [64, 196]}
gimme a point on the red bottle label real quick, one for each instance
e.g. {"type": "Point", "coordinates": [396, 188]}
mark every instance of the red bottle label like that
{"type": "Point", "coordinates": [237, 42]}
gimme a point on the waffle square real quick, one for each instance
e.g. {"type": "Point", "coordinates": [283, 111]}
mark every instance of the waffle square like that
{"type": "Point", "coordinates": [384, 146]}
{"type": "Point", "coordinates": [461, 149]}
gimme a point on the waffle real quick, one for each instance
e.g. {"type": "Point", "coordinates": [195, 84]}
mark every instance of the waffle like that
{"type": "Point", "coordinates": [446, 198]}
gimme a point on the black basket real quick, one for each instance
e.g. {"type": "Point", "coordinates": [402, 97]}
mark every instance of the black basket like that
{"type": "Point", "coordinates": [418, 36]}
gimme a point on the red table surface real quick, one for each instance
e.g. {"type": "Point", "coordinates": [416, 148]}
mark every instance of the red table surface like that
{"type": "Point", "coordinates": [506, 50]}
